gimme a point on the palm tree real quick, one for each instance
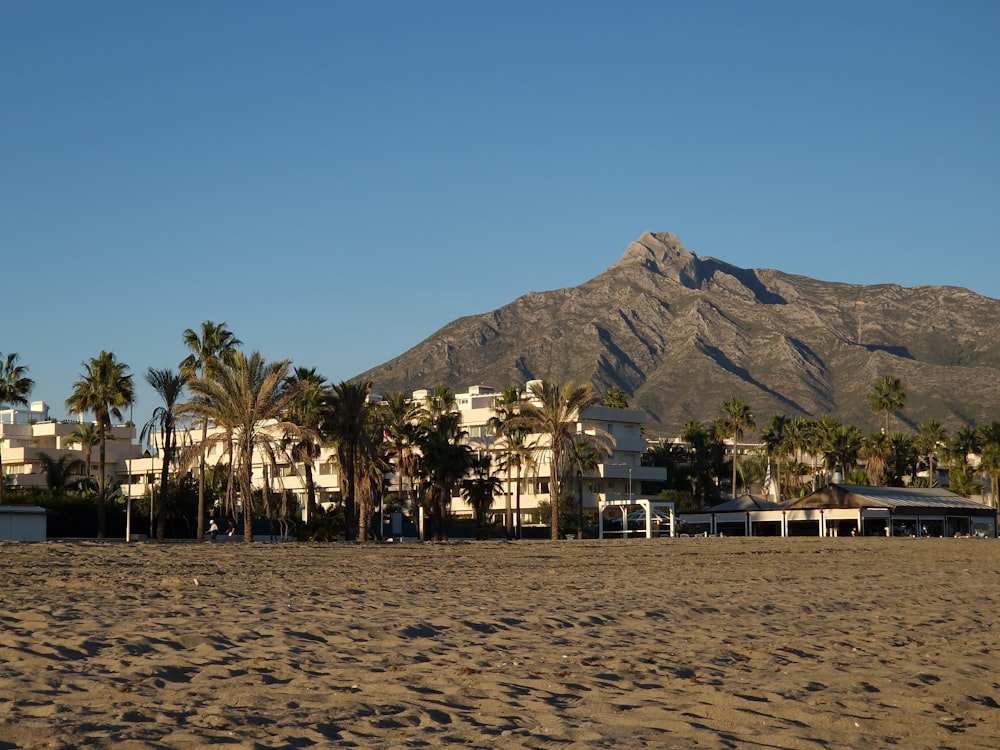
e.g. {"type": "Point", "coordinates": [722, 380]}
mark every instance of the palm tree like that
{"type": "Point", "coordinates": [445, 459]}
{"type": "Point", "coordinates": [615, 398]}
{"type": "Point", "coordinates": [703, 444]}
{"type": "Point", "coordinates": [86, 435]}
{"type": "Point", "coordinates": [440, 400]}
{"type": "Point", "coordinates": [737, 417]}
{"type": "Point", "coordinates": [401, 419]}
{"type": "Point", "coordinates": [966, 440]}
{"type": "Point", "coordinates": [505, 408]}
{"type": "Point", "coordinates": [904, 457]}
{"type": "Point", "coordinates": [306, 410]}
{"type": "Point", "coordinates": [552, 411]}
{"type": "Point", "coordinates": [346, 424]}
{"type": "Point", "coordinates": [842, 447]}
{"type": "Point", "coordinates": [587, 452]}
{"type": "Point", "coordinates": [104, 388]}
{"type": "Point", "coordinates": [248, 398]}
{"type": "Point", "coordinates": [59, 472]}
{"type": "Point", "coordinates": [818, 435]}
{"type": "Point", "coordinates": [989, 462]}
{"type": "Point", "coordinates": [518, 453]}
{"type": "Point", "coordinates": [887, 396]}
{"type": "Point", "coordinates": [479, 490]}
{"type": "Point", "coordinates": [989, 456]}
{"type": "Point", "coordinates": [210, 347]}
{"type": "Point", "coordinates": [775, 439]}
{"type": "Point", "coordinates": [875, 451]}
{"type": "Point", "coordinates": [370, 468]}
{"type": "Point", "coordinates": [15, 387]}
{"type": "Point", "coordinates": [930, 436]}
{"type": "Point", "coordinates": [169, 385]}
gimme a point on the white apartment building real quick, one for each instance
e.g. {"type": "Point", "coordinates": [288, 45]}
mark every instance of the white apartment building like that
{"type": "Point", "coordinates": [619, 476]}
{"type": "Point", "coordinates": [143, 472]}
{"type": "Point", "coordinates": [26, 434]}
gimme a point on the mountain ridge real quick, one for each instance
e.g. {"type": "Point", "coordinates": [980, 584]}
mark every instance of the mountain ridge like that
{"type": "Point", "coordinates": [681, 333]}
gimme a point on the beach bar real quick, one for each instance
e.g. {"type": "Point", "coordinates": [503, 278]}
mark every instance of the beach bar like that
{"type": "Point", "coordinates": [850, 510]}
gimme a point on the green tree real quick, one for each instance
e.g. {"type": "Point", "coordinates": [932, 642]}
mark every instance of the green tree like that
{"type": "Point", "coordinates": [479, 491]}
{"type": "Point", "coordinates": [15, 387]}
{"type": "Point", "coordinates": [819, 434]}
{"type": "Point", "coordinates": [775, 439]}
{"type": "Point", "coordinates": [517, 456]}
{"type": "Point", "coordinates": [964, 442]}
{"type": "Point", "coordinates": [887, 397]}
{"type": "Point", "coordinates": [961, 480]}
{"type": "Point", "coordinates": [552, 410]}
{"type": "Point", "coordinates": [706, 457]}
{"type": "Point", "coordinates": [841, 448]}
{"type": "Point", "coordinates": [503, 423]}
{"type": "Point", "coordinates": [347, 426]}
{"type": "Point", "coordinates": [60, 472]}
{"type": "Point", "coordinates": [876, 453]}
{"type": "Point", "coordinates": [445, 459]}
{"type": "Point", "coordinates": [989, 456]}
{"type": "Point", "coordinates": [86, 435]}
{"type": "Point", "coordinates": [211, 346]}
{"type": "Point", "coordinates": [903, 458]}
{"type": "Point", "coordinates": [105, 388]}
{"type": "Point", "coordinates": [162, 425]}
{"type": "Point", "coordinates": [370, 468]}
{"type": "Point", "coordinates": [587, 452]}
{"type": "Point", "coordinates": [402, 421]}
{"type": "Point", "coordinates": [737, 417]}
{"type": "Point", "coordinates": [930, 437]}
{"type": "Point", "coordinates": [248, 398]}
{"type": "Point", "coordinates": [615, 398]}
{"type": "Point", "coordinates": [305, 409]}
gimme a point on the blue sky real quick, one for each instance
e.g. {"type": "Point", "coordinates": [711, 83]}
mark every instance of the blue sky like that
{"type": "Point", "coordinates": [338, 180]}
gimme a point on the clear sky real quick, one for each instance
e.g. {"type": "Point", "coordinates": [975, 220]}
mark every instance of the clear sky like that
{"type": "Point", "coordinates": [338, 180]}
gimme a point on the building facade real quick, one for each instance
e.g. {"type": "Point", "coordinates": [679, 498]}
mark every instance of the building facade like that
{"type": "Point", "coordinates": [619, 475]}
{"type": "Point", "coordinates": [28, 434]}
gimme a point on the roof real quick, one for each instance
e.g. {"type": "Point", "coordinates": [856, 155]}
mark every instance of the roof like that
{"type": "Point", "coordinates": [893, 498]}
{"type": "Point", "coordinates": [26, 510]}
{"type": "Point", "coordinates": [744, 503]}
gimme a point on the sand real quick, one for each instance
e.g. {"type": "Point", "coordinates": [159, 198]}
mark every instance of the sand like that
{"type": "Point", "coordinates": [743, 643]}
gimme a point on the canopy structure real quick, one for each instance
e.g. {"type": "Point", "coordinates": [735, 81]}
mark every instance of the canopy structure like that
{"type": "Point", "coordinates": [650, 508]}
{"type": "Point", "coordinates": [850, 510]}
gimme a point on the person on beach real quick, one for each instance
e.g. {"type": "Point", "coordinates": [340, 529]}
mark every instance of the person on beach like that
{"type": "Point", "coordinates": [232, 527]}
{"type": "Point", "coordinates": [213, 529]}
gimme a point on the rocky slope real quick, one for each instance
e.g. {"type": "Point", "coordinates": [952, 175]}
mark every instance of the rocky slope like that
{"type": "Point", "coordinates": [680, 334]}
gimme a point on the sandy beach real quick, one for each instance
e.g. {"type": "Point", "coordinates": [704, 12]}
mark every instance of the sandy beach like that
{"type": "Point", "coordinates": [716, 643]}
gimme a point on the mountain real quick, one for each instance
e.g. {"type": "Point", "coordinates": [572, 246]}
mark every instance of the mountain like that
{"type": "Point", "coordinates": [681, 334]}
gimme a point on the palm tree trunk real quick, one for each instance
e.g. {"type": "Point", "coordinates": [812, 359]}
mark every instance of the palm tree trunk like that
{"type": "Point", "coordinates": [733, 488]}
{"type": "Point", "coordinates": [554, 494]}
{"type": "Point", "coordinates": [200, 520]}
{"type": "Point", "coordinates": [101, 484]}
{"type": "Point", "coordinates": [161, 504]}
{"type": "Point", "coordinates": [517, 519]}
{"type": "Point", "coordinates": [246, 489]}
{"type": "Point", "coordinates": [310, 490]}
{"type": "Point", "coordinates": [506, 514]}
{"type": "Point", "coordinates": [350, 506]}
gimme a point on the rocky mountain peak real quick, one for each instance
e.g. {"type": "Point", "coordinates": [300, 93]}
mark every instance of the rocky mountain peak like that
{"type": "Point", "coordinates": [680, 334]}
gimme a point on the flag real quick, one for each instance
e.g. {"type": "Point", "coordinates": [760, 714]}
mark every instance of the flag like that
{"type": "Point", "coordinates": [767, 479]}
